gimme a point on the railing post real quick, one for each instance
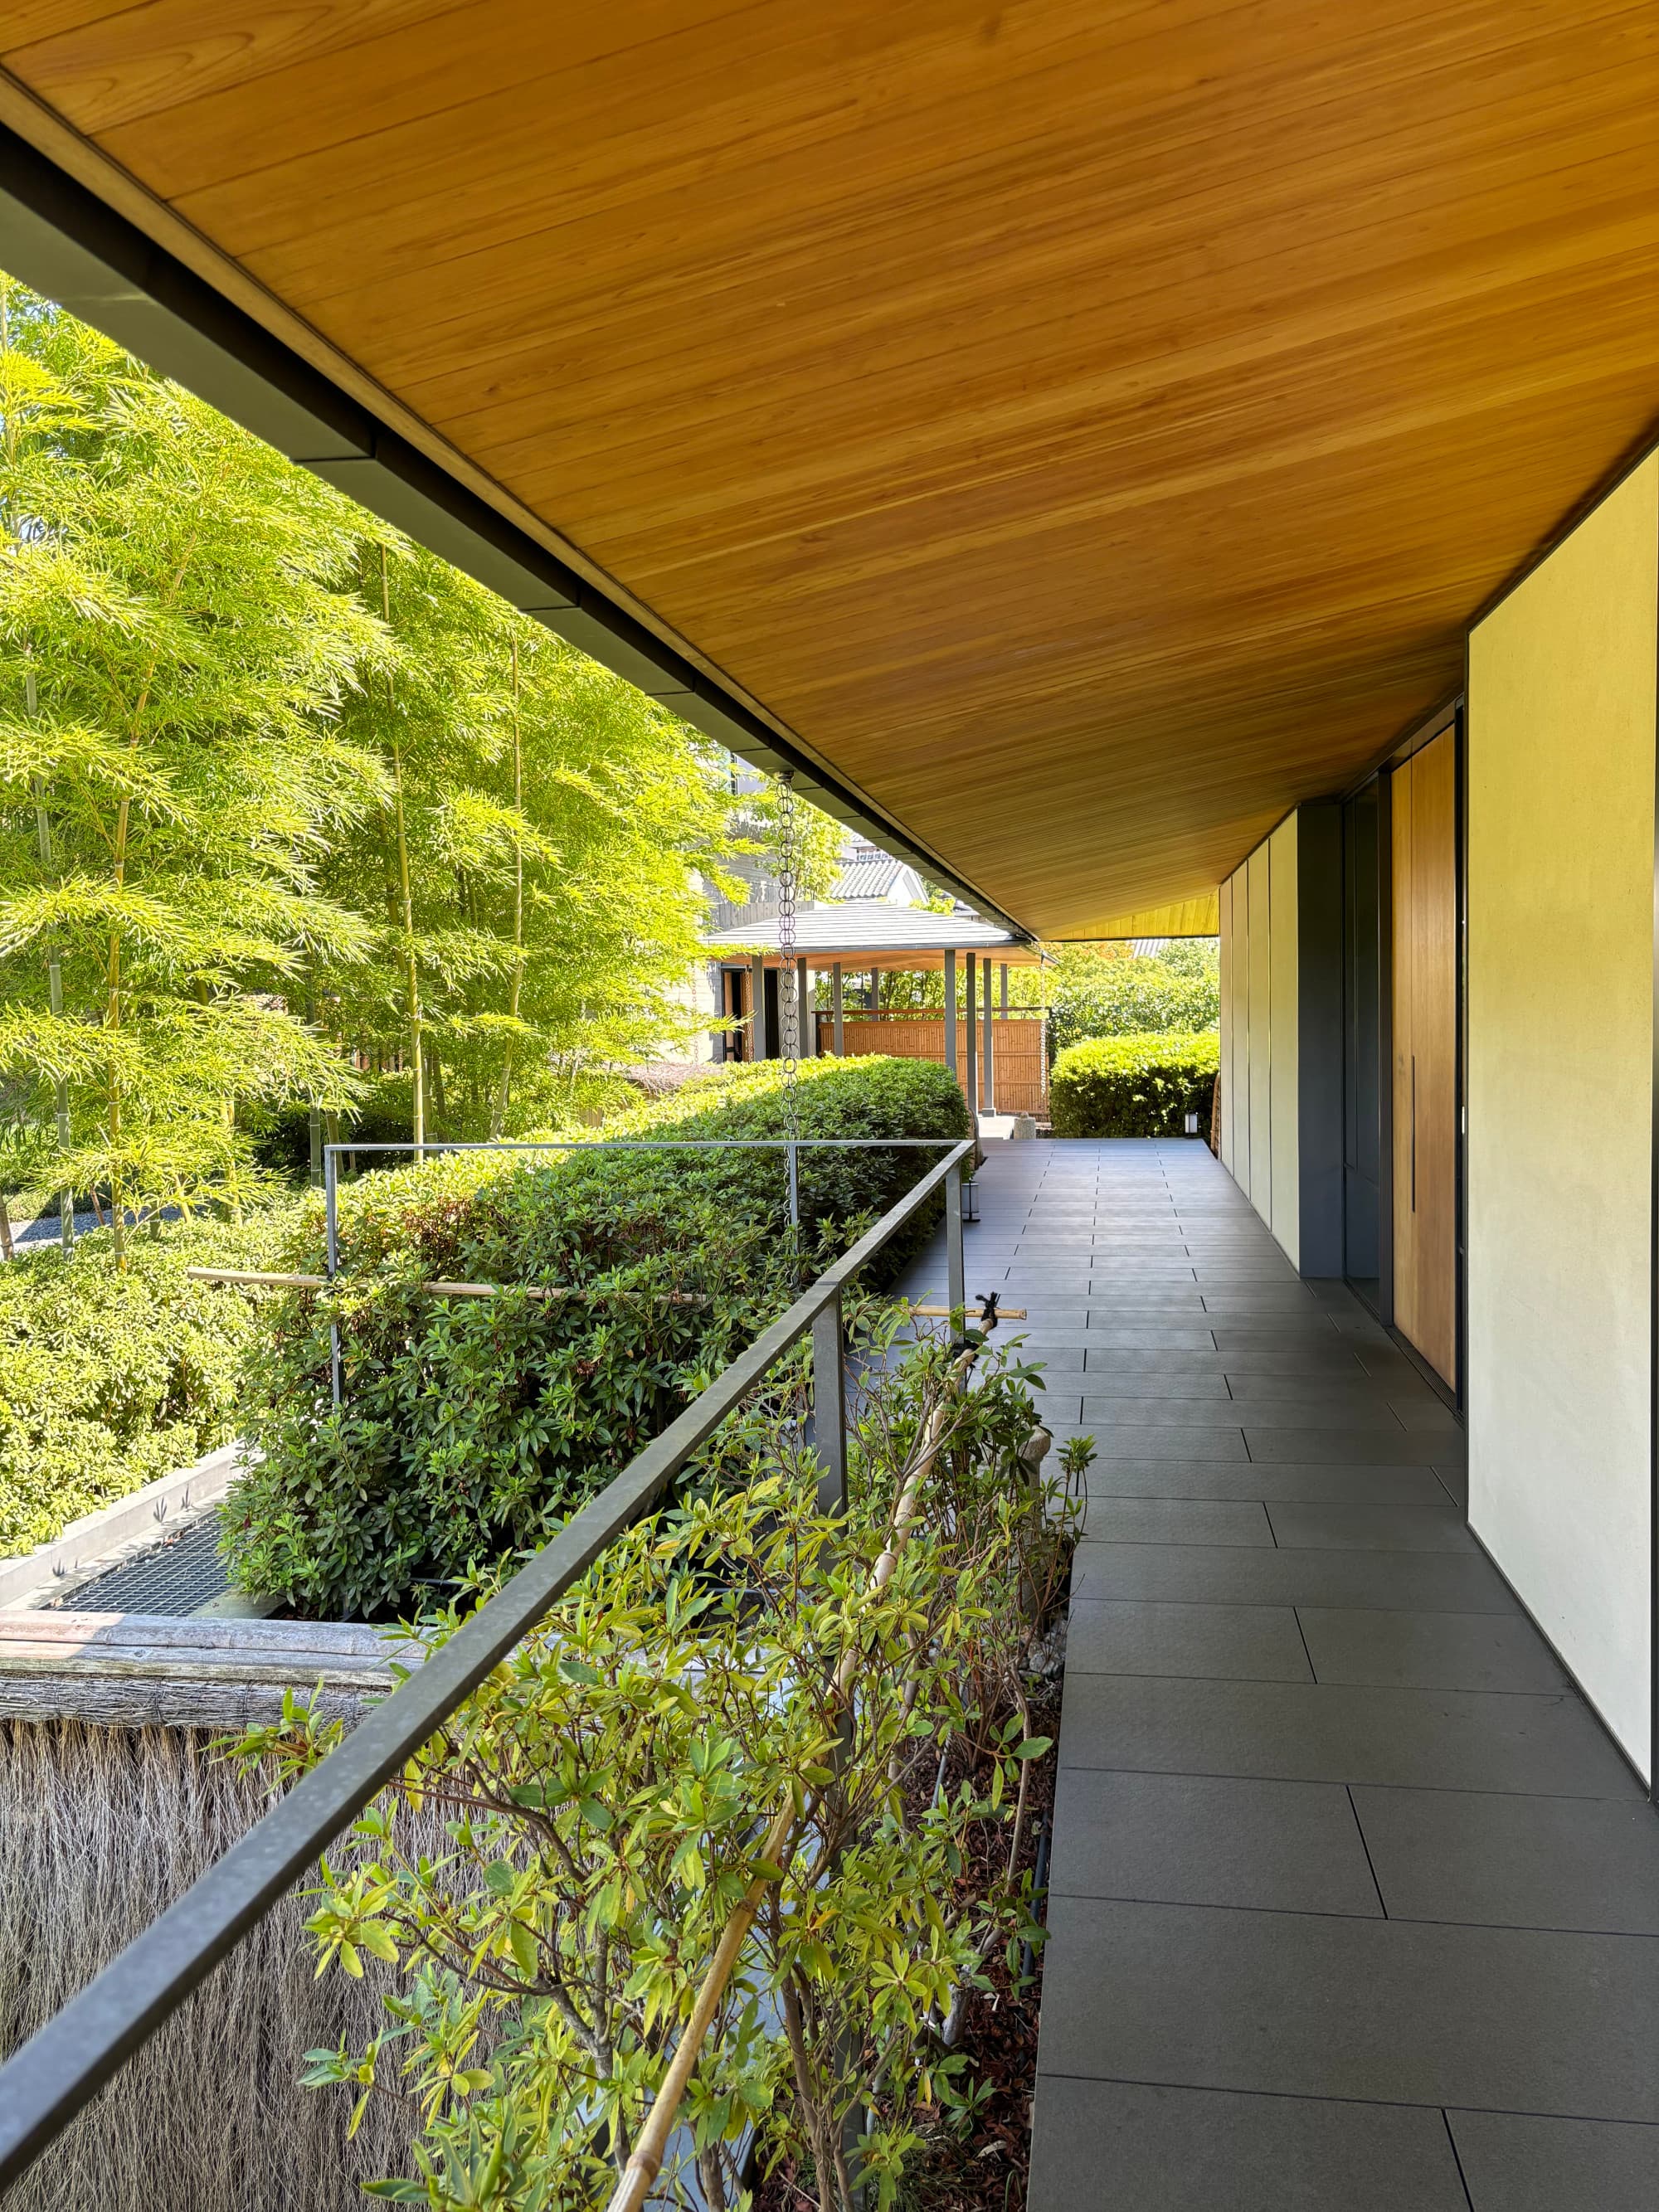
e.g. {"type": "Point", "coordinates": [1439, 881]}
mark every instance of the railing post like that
{"type": "Point", "coordinates": [955, 1266]}
{"type": "Point", "coordinates": [989, 1073]}
{"type": "Point", "coordinates": [332, 1211]}
{"type": "Point", "coordinates": [971, 1024]}
{"type": "Point", "coordinates": [830, 1404]}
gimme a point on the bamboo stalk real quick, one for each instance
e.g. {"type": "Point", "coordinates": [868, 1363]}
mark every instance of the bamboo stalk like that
{"type": "Point", "coordinates": [943, 1313]}
{"type": "Point", "coordinates": [268, 1280]}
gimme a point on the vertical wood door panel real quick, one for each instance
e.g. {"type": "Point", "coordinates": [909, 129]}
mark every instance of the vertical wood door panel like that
{"type": "Point", "coordinates": [1425, 1054]}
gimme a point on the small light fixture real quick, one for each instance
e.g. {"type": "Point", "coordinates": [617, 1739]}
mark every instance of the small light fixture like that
{"type": "Point", "coordinates": [971, 1200]}
{"type": "Point", "coordinates": [1192, 1124]}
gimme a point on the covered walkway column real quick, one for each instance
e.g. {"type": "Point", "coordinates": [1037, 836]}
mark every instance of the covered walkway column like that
{"type": "Point", "coordinates": [990, 1044]}
{"type": "Point", "coordinates": [757, 1012]}
{"type": "Point", "coordinates": [971, 1027]}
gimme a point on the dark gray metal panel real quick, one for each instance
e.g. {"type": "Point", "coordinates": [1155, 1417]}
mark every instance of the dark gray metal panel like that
{"type": "Point", "coordinates": [1319, 971]}
{"type": "Point", "coordinates": [57, 238]}
{"type": "Point", "coordinates": [405, 489]}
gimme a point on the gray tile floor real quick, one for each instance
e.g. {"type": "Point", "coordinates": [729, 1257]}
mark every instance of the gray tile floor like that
{"type": "Point", "coordinates": [1354, 1908]}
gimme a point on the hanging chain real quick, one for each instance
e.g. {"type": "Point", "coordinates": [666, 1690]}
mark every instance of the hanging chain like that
{"type": "Point", "coordinates": [791, 1013]}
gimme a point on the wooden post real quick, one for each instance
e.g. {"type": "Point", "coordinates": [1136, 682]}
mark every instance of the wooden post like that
{"type": "Point", "coordinates": [1004, 994]}
{"type": "Point", "coordinates": [807, 1021]}
{"type": "Point", "coordinates": [971, 1024]}
{"type": "Point", "coordinates": [990, 1075]}
{"type": "Point", "coordinates": [950, 1011]}
{"type": "Point", "coordinates": [835, 1010]}
{"type": "Point", "coordinates": [758, 1039]}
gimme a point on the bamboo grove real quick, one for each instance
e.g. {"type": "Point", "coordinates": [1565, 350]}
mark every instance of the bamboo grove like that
{"type": "Point", "coordinates": [286, 802]}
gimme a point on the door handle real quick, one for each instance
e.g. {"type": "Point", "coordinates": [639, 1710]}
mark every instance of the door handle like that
{"type": "Point", "coordinates": [1413, 1133]}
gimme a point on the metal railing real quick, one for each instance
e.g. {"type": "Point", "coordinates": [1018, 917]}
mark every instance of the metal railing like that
{"type": "Point", "coordinates": [65, 2063]}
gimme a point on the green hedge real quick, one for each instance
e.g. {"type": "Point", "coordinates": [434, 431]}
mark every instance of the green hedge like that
{"type": "Point", "coordinates": [471, 1428]}
{"type": "Point", "coordinates": [1134, 1086]}
{"type": "Point", "coordinates": [109, 1380]}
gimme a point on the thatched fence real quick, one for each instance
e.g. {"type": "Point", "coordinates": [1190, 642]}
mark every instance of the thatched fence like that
{"type": "Point", "coordinates": [102, 1824]}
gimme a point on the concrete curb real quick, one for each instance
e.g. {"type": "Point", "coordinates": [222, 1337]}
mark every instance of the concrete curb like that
{"type": "Point", "coordinates": [169, 1500]}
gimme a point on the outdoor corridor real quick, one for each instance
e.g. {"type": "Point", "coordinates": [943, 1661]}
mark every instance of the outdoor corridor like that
{"type": "Point", "coordinates": [1353, 1904]}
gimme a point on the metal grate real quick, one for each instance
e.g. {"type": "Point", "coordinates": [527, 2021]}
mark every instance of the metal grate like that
{"type": "Point", "coordinates": [181, 1572]}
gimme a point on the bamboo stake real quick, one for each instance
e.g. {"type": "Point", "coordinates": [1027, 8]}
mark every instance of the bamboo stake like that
{"type": "Point", "coordinates": [943, 1313]}
{"type": "Point", "coordinates": [645, 2163]}
{"type": "Point", "coordinates": [285, 1282]}
{"type": "Point", "coordinates": [640, 2175]}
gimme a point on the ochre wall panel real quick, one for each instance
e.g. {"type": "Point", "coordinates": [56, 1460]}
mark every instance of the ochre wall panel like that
{"type": "Point", "coordinates": [1241, 1028]}
{"type": "Point", "coordinates": [1261, 1035]}
{"type": "Point", "coordinates": [1089, 428]}
{"type": "Point", "coordinates": [1284, 985]}
{"type": "Point", "coordinates": [1561, 747]}
{"type": "Point", "coordinates": [1229, 954]}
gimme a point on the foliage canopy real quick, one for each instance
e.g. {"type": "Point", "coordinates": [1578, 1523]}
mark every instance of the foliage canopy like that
{"type": "Point", "coordinates": [285, 801]}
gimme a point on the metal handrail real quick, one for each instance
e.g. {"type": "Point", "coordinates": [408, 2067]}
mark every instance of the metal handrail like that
{"type": "Point", "coordinates": [792, 1147]}
{"type": "Point", "coordinates": [68, 2061]}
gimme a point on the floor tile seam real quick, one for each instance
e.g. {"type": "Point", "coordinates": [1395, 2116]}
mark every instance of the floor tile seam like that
{"type": "Point", "coordinates": [1414, 1788]}
{"type": "Point", "coordinates": [1278, 1604]}
{"type": "Point", "coordinates": [1356, 1919]}
{"type": "Point", "coordinates": [1163, 1675]}
{"type": "Point", "coordinates": [1342, 1782]}
{"type": "Point", "coordinates": [1359, 1825]}
{"type": "Point", "coordinates": [1308, 1551]}
{"type": "Point", "coordinates": [1326, 2096]}
{"type": "Point", "coordinates": [1295, 1682]}
{"type": "Point", "coordinates": [1457, 2159]}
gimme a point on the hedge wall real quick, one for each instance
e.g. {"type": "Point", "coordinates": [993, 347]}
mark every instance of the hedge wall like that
{"type": "Point", "coordinates": [1134, 1086]}
{"type": "Point", "coordinates": [471, 1428]}
{"type": "Point", "coordinates": [108, 1380]}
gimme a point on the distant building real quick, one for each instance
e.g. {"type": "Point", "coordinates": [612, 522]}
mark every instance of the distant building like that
{"type": "Point", "coordinates": [867, 873]}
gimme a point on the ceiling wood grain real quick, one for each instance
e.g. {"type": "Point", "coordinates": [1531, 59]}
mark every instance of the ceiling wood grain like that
{"type": "Point", "coordinates": [1089, 423]}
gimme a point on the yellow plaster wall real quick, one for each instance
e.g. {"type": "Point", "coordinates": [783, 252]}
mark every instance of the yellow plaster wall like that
{"type": "Point", "coordinates": [1260, 1044]}
{"type": "Point", "coordinates": [1560, 814]}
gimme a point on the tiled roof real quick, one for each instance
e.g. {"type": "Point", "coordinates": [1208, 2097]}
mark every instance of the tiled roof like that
{"type": "Point", "coordinates": [871, 879]}
{"type": "Point", "coordinates": [867, 925]}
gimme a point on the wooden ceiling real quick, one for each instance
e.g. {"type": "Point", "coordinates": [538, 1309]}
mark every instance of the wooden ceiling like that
{"type": "Point", "coordinates": [1089, 424]}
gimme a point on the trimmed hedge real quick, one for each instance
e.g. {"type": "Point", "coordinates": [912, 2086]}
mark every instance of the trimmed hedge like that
{"type": "Point", "coordinates": [1134, 1086]}
{"type": "Point", "coordinates": [109, 1380]}
{"type": "Point", "coordinates": [471, 1428]}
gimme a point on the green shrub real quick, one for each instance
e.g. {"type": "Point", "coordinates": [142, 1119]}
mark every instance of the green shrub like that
{"type": "Point", "coordinates": [1134, 1086]}
{"type": "Point", "coordinates": [542, 1099]}
{"type": "Point", "coordinates": [736, 1693]}
{"type": "Point", "coordinates": [108, 1380]}
{"type": "Point", "coordinates": [469, 1429]}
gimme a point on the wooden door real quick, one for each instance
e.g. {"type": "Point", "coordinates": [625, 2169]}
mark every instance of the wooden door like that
{"type": "Point", "coordinates": [1425, 812]}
